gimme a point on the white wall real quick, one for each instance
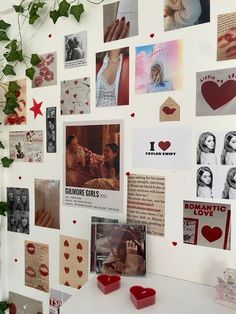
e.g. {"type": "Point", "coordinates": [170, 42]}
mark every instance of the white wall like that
{"type": "Point", "coordinates": [194, 263]}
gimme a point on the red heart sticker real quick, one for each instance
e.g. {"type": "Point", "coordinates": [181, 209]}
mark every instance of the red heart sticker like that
{"type": "Point", "coordinates": [20, 178]}
{"type": "Point", "coordinates": [152, 35]}
{"type": "Point", "coordinates": [127, 173]}
{"type": "Point", "coordinates": [49, 35]}
{"type": "Point", "coordinates": [174, 243]}
{"type": "Point", "coordinates": [66, 255]}
{"type": "Point", "coordinates": [66, 243]}
{"type": "Point", "coordinates": [132, 114]}
{"type": "Point", "coordinates": [211, 234]}
{"type": "Point", "coordinates": [142, 297]}
{"type": "Point", "coordinates": [66, 269]}
{"type": "Point", "coordinates": [80, 273]}
{"type": "Point", "coordinates": [167, 110]}
{"type": "Point", "coordinates": [79, 258]}
{"type": "Point", "coordinates": [15, 259]}
{"type": "Point", "coordinates": [62, 102]}
{"type": "Point", "coordinates": [79, 246]}
{"type": "Point", "coordinates": [74, 221]}
{"type": "Point", "coordinates": [164, 145]}
{"type": "Point", "coordinates": [217, 96]}
{"type": "Point", "coordinates": [67, 284]}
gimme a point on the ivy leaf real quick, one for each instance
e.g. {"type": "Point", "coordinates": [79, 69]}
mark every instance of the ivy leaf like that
{"type": "Point", "coordinates": [33, 17]}
{"type": "Point", "coordinates": [63, 8]}
{"type": "Point", "coordinates": [3, 36]}
{"type": "Point", "coordinates": [13, 87]}
{"type": "Point", "coordinates": [1, 145]}
{"type": "Point", "coordinates": [11, 104]}
{"type": "Point", "coordinates": [8, 70]}
{"type": "Point", "coordinates": [3, 304]}
{"type": "Point", "coordinates": [33, 11]}
{"type": "Point", "coordinates": [13, 54]}
{"type": "Point", "coordinates": [10, 95]}
{"type": "Point", "coordinates": [18, 8]}
{"type": "Point", "coordinates": [6, 162]}
{"type": "Point", "coordinates": [76, 11]}
{"type": "Point", "coordinates": [4, 25]}
{"type": "Point", "coordinates": [30, 73]}
{"type": "Point", "coordinates": [35, 59]}
{"type": "Point", "coordinates": [3, 210]}
{"type": "Point", "coordinates": [20, 55]}
{"type": "Point", "coordinates": [54, 15]}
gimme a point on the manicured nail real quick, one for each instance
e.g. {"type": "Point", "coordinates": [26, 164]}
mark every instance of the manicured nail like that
{"type": "Point", "coordinates": [117, 21]}
{"type": "Point", "coordinates": [123, 18]}
{"type": "Point", "coordinates": [128, 23]}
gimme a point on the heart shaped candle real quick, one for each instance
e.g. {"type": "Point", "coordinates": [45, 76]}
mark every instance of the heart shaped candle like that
{"type": "Point", "coordinates": [108, 283]}
{"type": "Point", "coordinates": [142, 297]}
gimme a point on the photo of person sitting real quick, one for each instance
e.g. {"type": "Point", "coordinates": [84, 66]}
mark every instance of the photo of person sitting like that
{"type": "Point", "coordinates": [158, 83]}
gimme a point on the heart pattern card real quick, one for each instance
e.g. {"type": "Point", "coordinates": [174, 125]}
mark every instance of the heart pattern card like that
{"type": "Point", "coordinates": [169, 111]}
{"type": "Point", "coordinates": [21, 304]}
{"type": "Point", "coordinates": [215, 92]}
{"type": "Point", "coordinates": [207, 224]}
{"type": "Point", "coordinates": [37, 266]}
{"type": "Point", "coordinates": [75, 96]}
{"type": "Point", "coordinates": [73, 262]}
{"type": "Point", "coordinates": [162, 148]}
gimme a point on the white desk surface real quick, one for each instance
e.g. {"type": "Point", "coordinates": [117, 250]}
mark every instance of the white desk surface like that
{"type": "Point", "coordinates": [174, 296]}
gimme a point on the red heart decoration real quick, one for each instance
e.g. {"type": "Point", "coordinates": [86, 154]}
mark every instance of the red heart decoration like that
{"type": "Point", "coordinates": [127, 173]}
{"type": "Point", "coordinates": [71, 111]}
{"type": "Point", "coordinates": [168, 110]}
{"type": "Point", "coordinates": [86, 103]}
{"type": "Point", "coordinates": [74, 221]}
{"type": "Point", "coordinates": [62, 102]}
{"type": "Point", "coordinates": [79, 246]}
{"type": "Point", "coordinates": [50, 35]}
{"type": "Point", "coordinates": [164, 145]}
{"type": "Point", "coordinates": [211, 234]}
{"type": "Point", "coordinates": [66, 255]}
{"type": "Point", "coordinates": [152, 35]}
{"type": "Point", "coordinates": [15, 259]}
{"type": "Point", "coordinates": [66, 269]}
{"type": "Point", "coordinates": [67, 284]}
{"type": "Point", "coordinates": [79, 286]}
{"type": "Point", "coordinates": [67, 91]}
{"type": "Point", "coordinates": [132, 114]}
{"type": "Point", "coordinates": [74, 95]}
{"type": "Point", "coordinates": [106, 280]}
{"type": "Point", "coordinates": [174, 243]}
{"type": "Point", "coordinates": [75, 82]}
{"type": "Point", "coordinates": [66, 243]}
{"type": "Point", "coordinates": [81, 112]}
{"type": "Point", "coordinates": [217, 96]}
{"type": "Point", "coordinates": [79, 258]}
{"type": "Point", "coordinates": [142, 297]}
{"type": "Point", "coordinates": [80, 273]}
{"type": "Point", "coordinates": [20, 178]}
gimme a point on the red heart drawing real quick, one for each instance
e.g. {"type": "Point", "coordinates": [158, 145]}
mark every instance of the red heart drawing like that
{"type": "Point", "coordinates": [142, 297]}
{"type": "Point", "coordinates": [71, 111]}
{"type": "Point", "coordinates": [174, 243]}
{"type": "Point", "coordinates": [75, 82]}
{"type": "Point", "coordinates": [168, 110]}
{"type": "Point", "coordinates": [211, 234]}
{"type": "Point", "coordinates": [66, 255]}
{"type": "Point", "coordinates": [79, 246]}
{"type": "Point", "coordinates": [62, 102]}
{"type": "Point", "coordinates": [67, 91]}
{"type": "Point", "coordinates": [217, 96]}
{"type": "Point", "coordinates": [164, 145]}
{"type": "Point", "coordinates": [152, 35]}
{"type": "Point", "coordinates": [87, 103]}
{"type": "Point", "coordinates": [80, 273]}
{"type": "Point", "coordinates": [66, 243]}
{"type": "Point", "coordinates": [67, 284]}
{"type": "Point", "coordinates": [66, 269]}
{"type": "Point", "coordinates": [79, 258]}
{"type": "Point", "coordinates": [81, 112]}
{"type": "Point", "coordinates": [74, 95]}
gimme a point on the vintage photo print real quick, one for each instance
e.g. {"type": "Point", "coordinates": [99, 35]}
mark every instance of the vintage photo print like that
{"type": "Point", "coordinates": [95, 220]}
{"type": "Point", "coordinates": [207, 224]}
{"type": "Point", "coordinates": [120, 20]}
{"type": "Point", "coordinates": [46, 71]}
{"type": "Point", "coordinates": [51, 125]}
{"type": "Point", "coordinates": [21, 304]}
{"type": "Point", "coordinates": [112, 78]}
{"type": "Point", "coordinates": [16, 115]}
{"type": "Point", "coordinates": [120, 249]}
{"type": "Point", "coordinates": [93, 165]}
{"type": "Point", "coordinates": [183, 13]}
{"type": "Point", "coordinates": [18, 210]}
{"type": "Point", "coordinates": [47, 203]}
{"type": "Point", "coordinates": [75, 96]}
{"type": "Point", "coordinates": [37, 265]}
{"type": "Point", "coordinates": [26, 146]}
{"type": "Point", "coordinates": [75, 49]}
{"type": "Point", "coordinates": [215, 92]}
{"type": "Point", "coordinates": [226, 36]}
{"type": "Point", "coordinates": [158, 67]}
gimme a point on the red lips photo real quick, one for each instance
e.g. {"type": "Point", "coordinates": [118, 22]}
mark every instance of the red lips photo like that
{"type": "Point", "coordinates": [30, 248]}
{"type": "Point", "coordinates": [29, 271]}
{"type": "Point", "coordinates": [43, 269]}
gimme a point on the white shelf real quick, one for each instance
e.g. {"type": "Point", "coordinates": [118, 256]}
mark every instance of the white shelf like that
{"type": "Point", "coordinates": [174, 296]}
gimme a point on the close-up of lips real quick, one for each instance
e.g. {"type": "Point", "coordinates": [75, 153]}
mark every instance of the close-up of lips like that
{"type": "Point", "coordinates": [30, 248]}
{"type": "Point", "coordinates": [227, 43]}
{"type": "Point", "coordinates": [29, 271]}
{"type": "Point", "coordinates": [43, 269]}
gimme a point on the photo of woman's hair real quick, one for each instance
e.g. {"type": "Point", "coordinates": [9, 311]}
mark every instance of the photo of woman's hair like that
{"type": "Point", "coordinates": [229, 191]}
{"type": "Point", "coordinates": [158, 82]}
{"type": "Point", "coordinates": [228, 155]}
{"type": "Point", "coordinates": [206, 149]}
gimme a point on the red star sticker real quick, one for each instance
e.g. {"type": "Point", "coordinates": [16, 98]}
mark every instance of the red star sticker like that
{"type": "Point", "coordinates": [36, 108]}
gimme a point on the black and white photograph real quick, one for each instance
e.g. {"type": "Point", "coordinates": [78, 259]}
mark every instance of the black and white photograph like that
{"type": "Point", "coordinates": [75, 50]}
{"type": "Point", "coordinates": [51, 130]}
{"type": "Point", "coordinates": [18, 213]}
